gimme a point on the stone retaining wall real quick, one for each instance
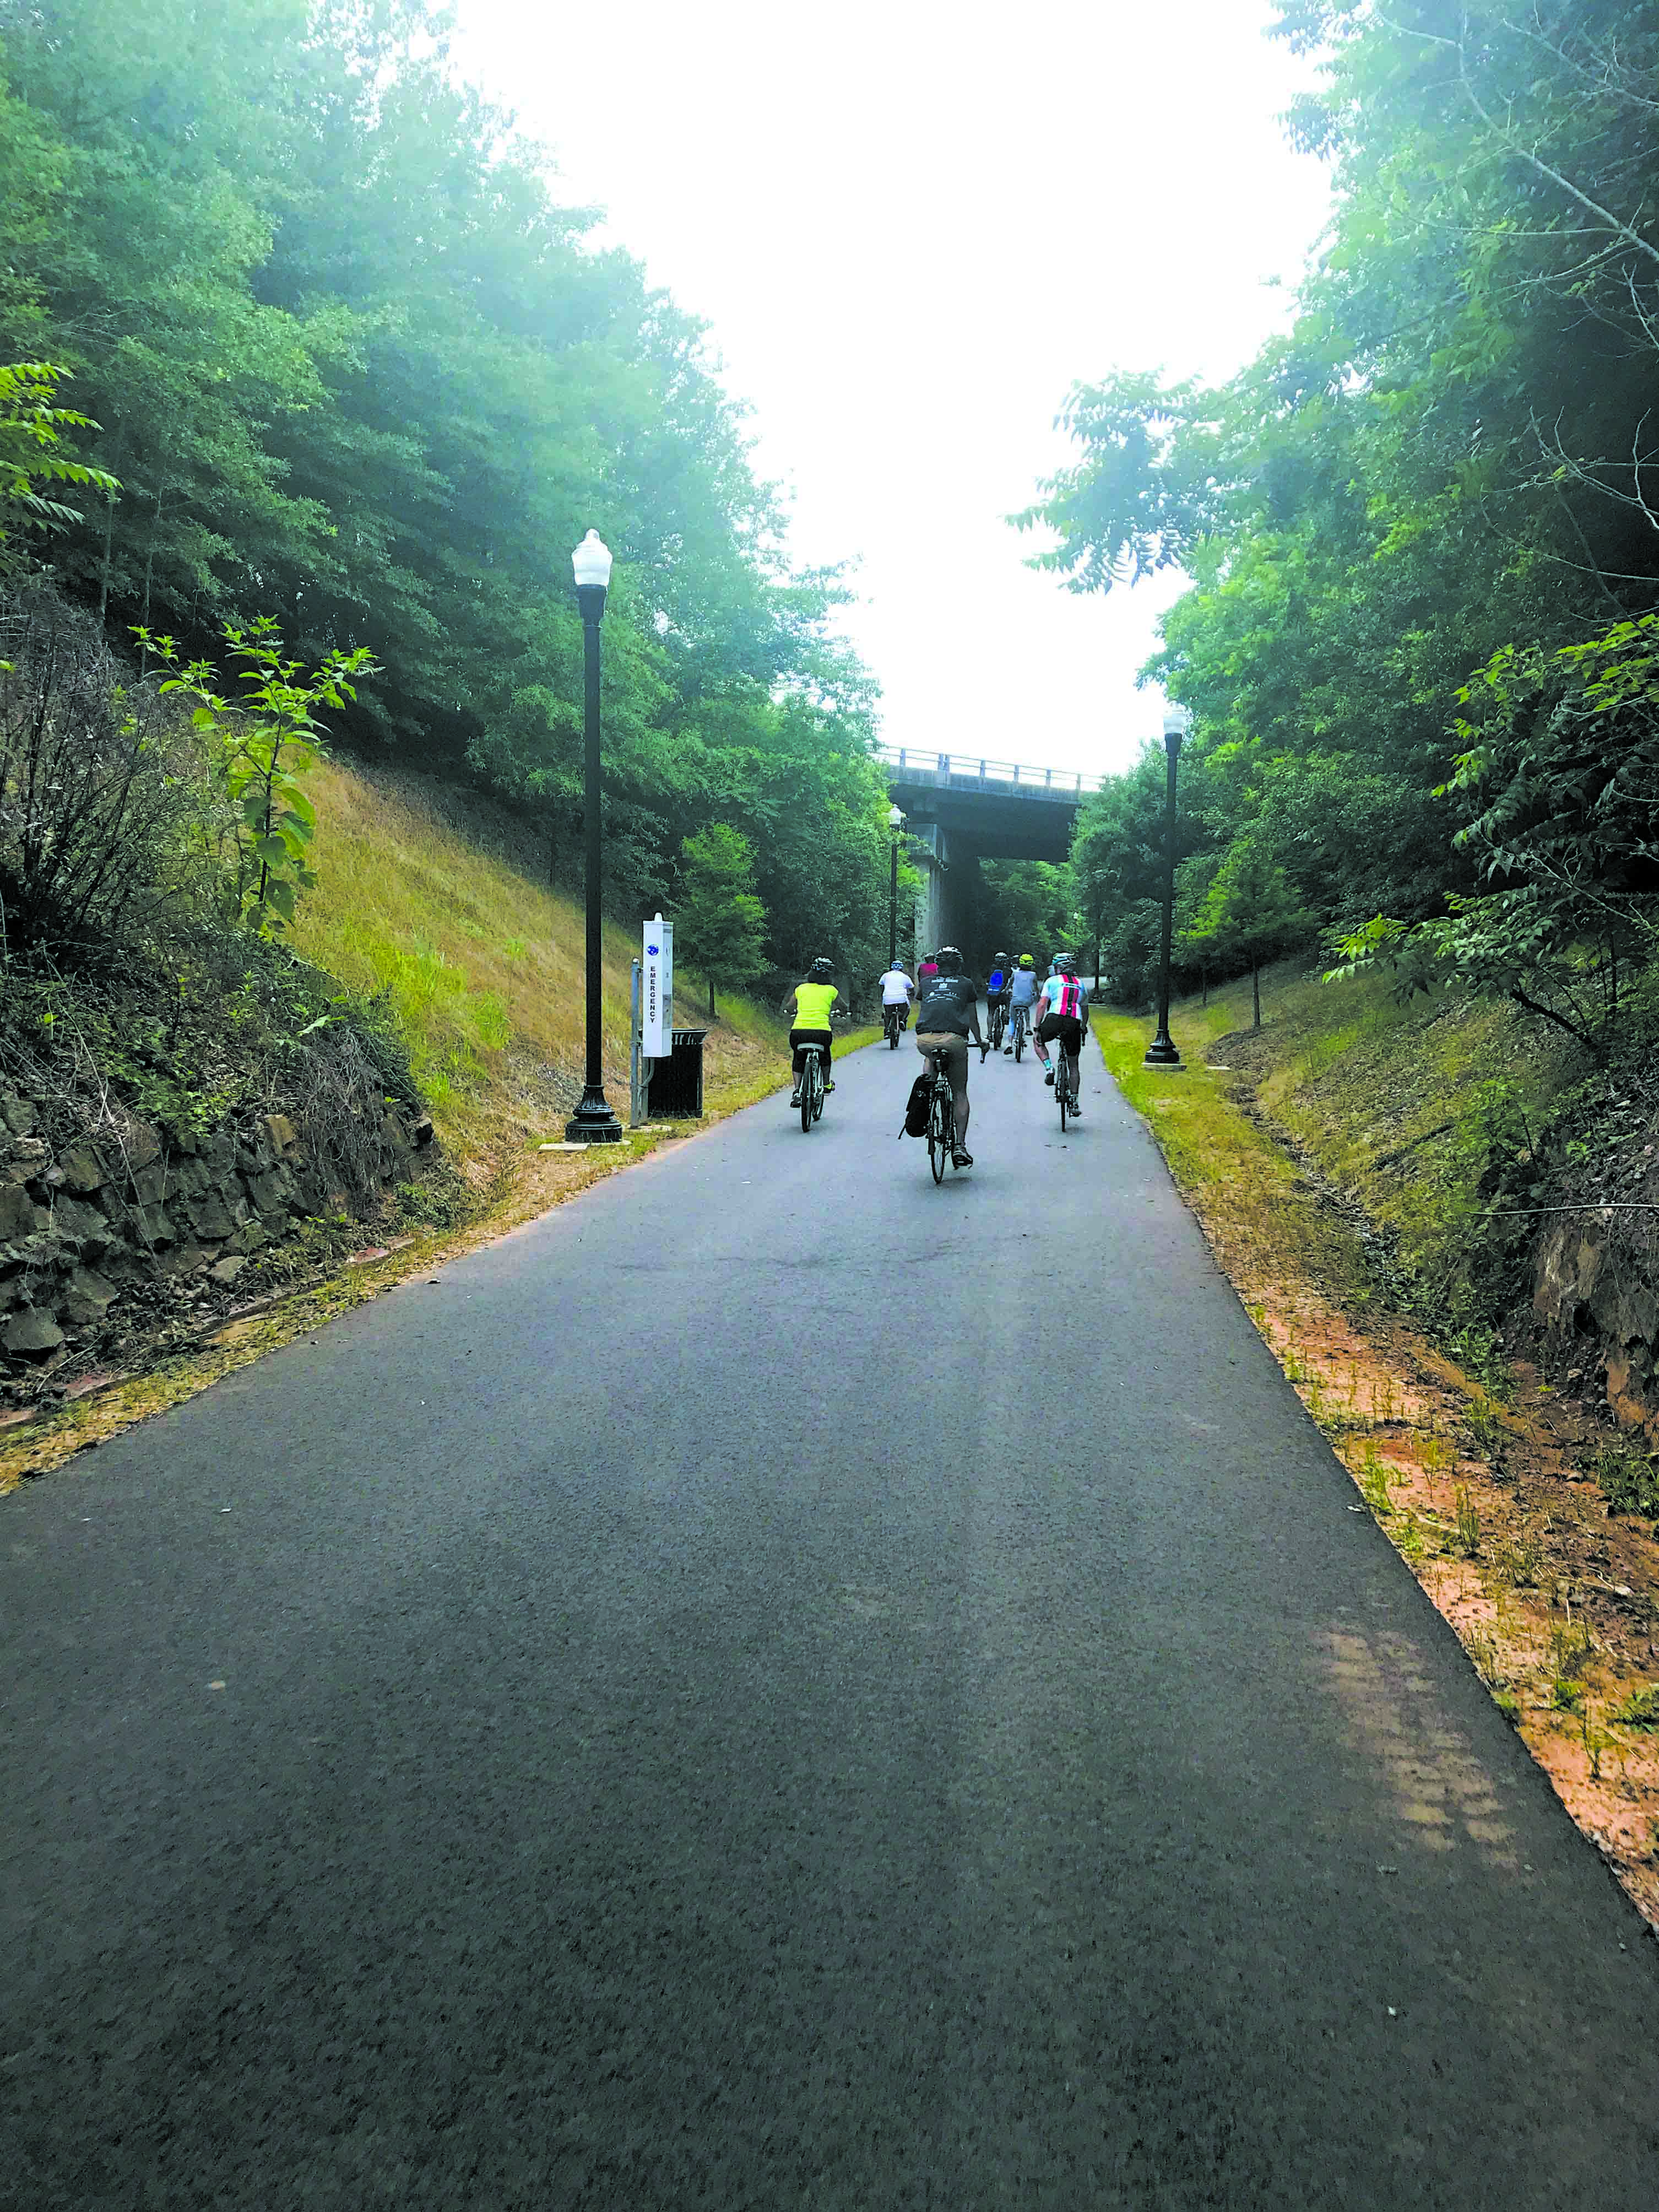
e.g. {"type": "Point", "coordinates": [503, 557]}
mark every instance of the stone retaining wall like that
{"type": "Point", "coordinates": [108, 1221]}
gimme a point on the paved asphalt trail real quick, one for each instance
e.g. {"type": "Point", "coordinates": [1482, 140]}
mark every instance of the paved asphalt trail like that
{"type": "Point", "coordinates": [710, 1718]}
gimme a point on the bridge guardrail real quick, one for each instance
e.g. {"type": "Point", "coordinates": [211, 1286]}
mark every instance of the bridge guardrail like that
{"type": "Point", "coordinates": [975, 772]}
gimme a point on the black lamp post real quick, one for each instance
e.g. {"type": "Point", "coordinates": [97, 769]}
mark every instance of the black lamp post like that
{"type": "Point", "coordinates": [894, 823]}
{"type": "Point", "coordinates": [1161, 1052]}
{"type": "Point", "coordinates": [593, 1122]}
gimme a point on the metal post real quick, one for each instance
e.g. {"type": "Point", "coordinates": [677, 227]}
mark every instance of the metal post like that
{"type": "Point", "coordinates": [1161, 1052]}
{"type": "Point", "coordinates": [638, 1066]}
{"type": "Point", "coordinates": [593, 1122]}
{"type": "Point", "coordinates": [892, 909]}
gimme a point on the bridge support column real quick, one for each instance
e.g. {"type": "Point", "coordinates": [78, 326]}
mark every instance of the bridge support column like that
{"type": "Point", "coordinates": [930, 851]}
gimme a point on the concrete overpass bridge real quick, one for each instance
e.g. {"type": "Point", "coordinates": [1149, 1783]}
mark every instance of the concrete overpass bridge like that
{"type": "Point", "coordinates": [962, 808]}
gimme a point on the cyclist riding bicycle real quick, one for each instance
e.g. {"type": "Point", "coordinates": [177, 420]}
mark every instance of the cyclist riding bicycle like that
{"type": "Point", "coordinates": [947, 1016]}
{"type": "Point", "coordinates": [809, 1020]}
{"type": "Point", "coordinates": [1022, 998]}
{"type": "Point", "coordinates": [897, 990]}
{"type": "Point", "coordinates": [1065, 1020]}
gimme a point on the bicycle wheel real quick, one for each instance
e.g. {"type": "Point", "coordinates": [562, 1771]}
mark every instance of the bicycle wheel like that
{"type": "Point", "coordinates": [808, 1084]}
{"type": "Point", "coordinates": [1062, 1089]}
{"type": "Point", "coordinates": [1019, 1042]}
{"type": "Point", "coordinates": [938, 1134]}
{"type": "Point", "coordinates": [818, 1100]}
{"type": "Point", "coordinates": [892, 1032]}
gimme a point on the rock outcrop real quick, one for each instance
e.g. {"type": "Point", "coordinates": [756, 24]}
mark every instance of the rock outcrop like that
{"type": "Point", "coordinates": [1586, 1286]}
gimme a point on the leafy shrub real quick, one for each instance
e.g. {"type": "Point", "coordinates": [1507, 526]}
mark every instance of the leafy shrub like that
{"type": "Point", "coordinates": [99, 789]}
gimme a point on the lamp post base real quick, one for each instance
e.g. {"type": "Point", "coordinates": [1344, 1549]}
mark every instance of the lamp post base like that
{"type": "Point", "coordinates": [1161, 1052]}
{"type": "Point", "coordinates": [592, 1123]}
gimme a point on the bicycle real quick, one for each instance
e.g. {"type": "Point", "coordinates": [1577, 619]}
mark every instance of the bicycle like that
{"type": "Point", "coordinates": [893, 1020]}
{"type": "Point", "coordinates": [941, 1118]}
{"type": "Point", "coordinates": [811, 1087]}
{"type": "Point", "coordinates": [998, 1023]}
{"type": "Point", "coordinates": [1022, 1029]}
{"type": "Point", "coordinates": [1063, 1089]}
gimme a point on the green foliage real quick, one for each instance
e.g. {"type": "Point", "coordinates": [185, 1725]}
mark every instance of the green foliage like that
{"type": "Point", "coordinates": [1640, 1710]}
{"type": "Point", "coordinates": [721, 928]}
{"type": "Point", "coordinates": [34, 451]}
{"type": "Point", "coordinates": [363, 372]}
{"type": "Point", "coordinates": [259, 748]}
{"type": "Point", "coordinates": [1628, 1478]}
{"type": "Point", "coordinates": [1444, 466]}
{"type": "Point", "coordinates": [1250, 913]}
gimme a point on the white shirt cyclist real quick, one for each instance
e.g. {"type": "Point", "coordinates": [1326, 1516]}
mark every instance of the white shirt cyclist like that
{"type": "Point", "coordinates": [896, 987]}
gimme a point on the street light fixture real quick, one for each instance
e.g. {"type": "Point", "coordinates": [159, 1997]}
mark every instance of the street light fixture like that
{"type": "Point", "coordinates": [894, 823]}
{"type": "Point", "coordinates": [593, 1122]}
{"type": "Point", "coordinates": [1161, 1052]}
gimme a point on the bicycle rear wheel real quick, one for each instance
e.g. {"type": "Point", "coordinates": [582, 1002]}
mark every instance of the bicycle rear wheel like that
{"type": "Point", "coordinates": [938, 1137]}
{"type": "Point", "coordinates": [1063, 1088]}
{"type": "Point", "coordinates": [809, 1079]}
{"type": "Point", "coordinates": [1019, 1042]}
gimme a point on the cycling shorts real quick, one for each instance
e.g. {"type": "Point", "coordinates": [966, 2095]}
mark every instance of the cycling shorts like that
{"type": "Point", "coordinates": [1065, 1028]}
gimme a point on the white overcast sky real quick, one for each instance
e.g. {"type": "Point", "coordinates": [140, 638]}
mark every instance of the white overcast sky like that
{"type": "Point", "coordinates": [911, 228]}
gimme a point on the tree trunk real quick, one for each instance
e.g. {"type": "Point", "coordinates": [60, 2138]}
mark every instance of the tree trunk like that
{"type": "Point", "coordinates": [1255, 995]}
{"type": "Point", "coordinates": [1204, 972]}
{"type": "Point", "coordinates": [711, 998]}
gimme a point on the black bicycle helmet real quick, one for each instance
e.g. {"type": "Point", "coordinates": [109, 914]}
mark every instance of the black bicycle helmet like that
{"type": "Point", "coordinates": [949, 958]}
{"type": "Point", "coordinates": [821, 970]}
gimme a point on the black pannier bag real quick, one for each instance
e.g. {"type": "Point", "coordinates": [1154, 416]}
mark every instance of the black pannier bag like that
{"type": "Point", "coordinates": [916, 1112]}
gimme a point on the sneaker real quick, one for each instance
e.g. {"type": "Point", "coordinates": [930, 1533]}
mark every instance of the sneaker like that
{"type": "Point", "coordinates": [794, 1098]}
{"type": "Point", "coordinates": [828, 1088]}
{"type": "Point", "coordinates": [1007, 1052]}
{"type": "Point", "coordinates": [961, 1159]}
{"type": "Point", "coordinates": [1048, 1076]}
{"type": "Point", "coordinates": [1076, 1112]}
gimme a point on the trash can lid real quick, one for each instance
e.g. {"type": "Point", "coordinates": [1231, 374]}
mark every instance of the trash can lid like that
{"type": "Point", "coordinates": [688, 1036]}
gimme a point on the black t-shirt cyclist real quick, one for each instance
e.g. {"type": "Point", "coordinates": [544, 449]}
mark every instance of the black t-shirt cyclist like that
{"type": "Point", "coordinates": [949, 1006]}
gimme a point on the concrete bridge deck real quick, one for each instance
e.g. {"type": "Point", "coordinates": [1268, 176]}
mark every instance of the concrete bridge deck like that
{"type": "Point", "coordinates": [962, 808]}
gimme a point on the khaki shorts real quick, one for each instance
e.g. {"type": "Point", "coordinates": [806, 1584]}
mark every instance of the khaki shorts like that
{"type": "Point", "coordinates": [955, 1049]}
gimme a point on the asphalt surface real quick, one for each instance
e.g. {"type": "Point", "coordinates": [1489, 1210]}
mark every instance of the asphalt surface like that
{"type": "Point", "coordinates": [783, 1687]}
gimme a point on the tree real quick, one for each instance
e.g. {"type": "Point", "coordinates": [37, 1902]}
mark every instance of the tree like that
{"type": "Point", "coordinates": [1249, 913]}
{"type": "Point", "coordinates": [719, 926]}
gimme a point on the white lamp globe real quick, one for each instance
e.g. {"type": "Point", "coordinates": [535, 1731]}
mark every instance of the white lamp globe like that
{"type": "Point", "coordinates": [591, 564]}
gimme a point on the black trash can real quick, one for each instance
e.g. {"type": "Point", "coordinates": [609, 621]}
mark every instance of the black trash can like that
{"type": "Point", "coordinates": [675, 1092]}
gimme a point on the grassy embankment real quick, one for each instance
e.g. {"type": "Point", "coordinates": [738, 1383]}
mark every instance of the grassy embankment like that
{"type": "Point", "coordinates": [1333, 1159]}
{"type": "Point", "coordinates": [432, 897]}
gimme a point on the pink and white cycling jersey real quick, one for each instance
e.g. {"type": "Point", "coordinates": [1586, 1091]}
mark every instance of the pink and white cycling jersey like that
{"type": "Point", "coordinates": [1065, 996]}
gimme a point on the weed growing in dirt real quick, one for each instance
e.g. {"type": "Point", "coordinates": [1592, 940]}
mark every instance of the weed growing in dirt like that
{"type": "Point", "coordinates": [1595, 1741]}
{"type": "Point", "coordinates": [1569, 1650]}
{"type": "Point", "coordinates": [1465, 1534]}
{"type": "Point", "coordinates": [1640, 1710]}
{"type": "Point", "coordinates": [1374, 1483]}
{"type": "Point", "coordinates": [1519, 1560]}
{"type": "Point", "coordinates": [1485, 1428]}
{"type": "Point", "coordinates": [1483, 1650]}
{"type": "Point", "coordinates": [1628, 1478]}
